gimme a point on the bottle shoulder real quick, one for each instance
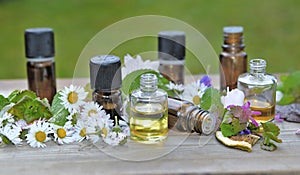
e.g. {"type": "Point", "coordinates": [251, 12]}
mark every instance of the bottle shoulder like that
{"type": "Point", "coordinates": [159, 93]}
{"type": "Point", "coordinates": [263, 79]}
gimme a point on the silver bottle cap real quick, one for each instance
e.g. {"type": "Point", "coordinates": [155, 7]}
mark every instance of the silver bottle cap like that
{"type": "Point", "coordinates": [208, 124]}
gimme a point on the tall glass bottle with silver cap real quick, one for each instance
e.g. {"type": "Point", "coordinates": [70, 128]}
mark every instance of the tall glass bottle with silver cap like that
{"type": "Point", "coordinates": [171, 55]}
{"type": "Point", "coordinates": [106, 81]}
{"type": "Point", "coordinates": [39, 48]}
{"type": "Point", "coordinates": [185, 116]}
{"type": "Point", "coordinates": [233, 58]}
{"type": "Point", "coordinates": [148, 111]}
{"type": "Point", "coordinates": [260, 90]}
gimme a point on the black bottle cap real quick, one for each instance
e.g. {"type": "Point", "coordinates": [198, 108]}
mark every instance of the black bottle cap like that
{"type": "Point", "coordinates": [105, 73]}
{"type": "Point", "coordinates": [171, 45]}
{"type": "Point", "coordinates": [39, 43]}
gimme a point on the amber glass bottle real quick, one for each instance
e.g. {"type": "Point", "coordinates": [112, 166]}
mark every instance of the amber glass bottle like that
{"type": "Point", "coordinates": [106, 81]}
{"type": "Point", "coordinates": [39, 47]}
{"type": "Point", "coordinates": [233, 58]}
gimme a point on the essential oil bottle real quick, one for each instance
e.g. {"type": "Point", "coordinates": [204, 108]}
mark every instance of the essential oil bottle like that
{"type": "Point", "coordinates": [260, 90]}
{"type": "Point", "coordinates": [233, 58]}
{"type": "Point", "coordinates": [148, 112]}
{"type": "Point", "coordinates": [106, 81]}
{"type": "Point", "coordinates": [185, 116]}
{"type": "Point", "coordinates": [39, 48]}
{"type": "Point", "coordinates": [171, 55]}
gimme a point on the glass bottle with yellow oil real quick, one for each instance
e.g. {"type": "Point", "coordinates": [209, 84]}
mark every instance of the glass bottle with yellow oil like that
{"type": "Point", "coordinates": [260, 90]}
{"type": "Point", "coordinates": [148, 112]}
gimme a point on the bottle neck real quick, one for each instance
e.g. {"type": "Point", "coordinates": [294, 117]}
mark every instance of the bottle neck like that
{"type": "Point", "coordinates": [258, 67]}
{"type": "Point", "coordinates": [148, 83]}
{"type": "Point", "coordinates": [233, 42]}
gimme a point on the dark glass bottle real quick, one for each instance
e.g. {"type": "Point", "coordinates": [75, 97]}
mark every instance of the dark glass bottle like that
{"type": "Point", "coordinates": [185, 116]}
{"type": "Point", "coordinates": [106, 81]}
{"type": "Point", "coordinates": [171, 55]}
{"type": "Point", "coordinates": [233, 58]}
{"type": "Point", "coordinates": [39, 47]}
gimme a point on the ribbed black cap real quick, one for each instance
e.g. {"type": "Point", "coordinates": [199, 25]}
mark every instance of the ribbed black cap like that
{"type": "Point", "coordinates": [171, 45]}
{"type": "Point", "coordinates": [105, 72]}
{"type": "Point", "coordinates": [39, 42]}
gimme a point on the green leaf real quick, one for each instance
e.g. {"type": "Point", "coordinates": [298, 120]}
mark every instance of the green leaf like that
{"type": "Point", "coordinates": [230, 129]}
{"type": "Point", "coordinates": [13, 94]}
{"type": "Point", "coordinates": [271, 127]}
{"type": "Point", "coordinates": [60, 113]}
{"type": "Point", "coordinates": [3, 102]}
{"type": "Point", "coordinates": [16, 97]}
{"type": "Point", "coordinates": [30, 110]}
{"type": "Point", "coordinates": [286, 99]}
{"type": "Point", "coordinates": [270, 132]}
{"type": "Point", "coordinates": [290, 88]}
{"type": "Point", "coordinates": [211, 101]}
{"type": "Point", "coordinates": [132, 81]}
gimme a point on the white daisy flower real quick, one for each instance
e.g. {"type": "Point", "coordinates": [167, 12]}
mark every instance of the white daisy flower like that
{"type": "Point", "coordinates": [176, 87]}
{"type": "Point", "coordinates": [115, 138]}
{"type": "Point", "coordinates": [12, 132]}
{"type": "Point", "coordinates": [6, 118]}
{"type": "Point", "coordinates": [22, 124]}
{"type": "Point", "coordinates": [92, 108]}
{"type": "Point", "coordinates": [191, 93]}
{"type": "Point", "coordinates": [80, 131]}
{"type": "Point", "coordinates": [132, 64]}
{"type": "Point", "coordinates": [72, 98]}
{"type": "Point", "coordinates": [63, 134]}
{"type": "Point", "coordinates": [38, 133]}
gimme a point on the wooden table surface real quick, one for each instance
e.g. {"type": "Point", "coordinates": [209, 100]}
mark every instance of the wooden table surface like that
{"type": "Point", "coordinates": [182, 153]}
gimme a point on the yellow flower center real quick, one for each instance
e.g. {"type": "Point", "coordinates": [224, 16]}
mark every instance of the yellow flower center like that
{"type": "Point", "coordinates": [196, 100]}
{"type": "Point", "coordinates": [92, 111]}
{"type": "Point", "coordinates": [104, 131]}
{"type": "Point", "coordinates": [61, 133]}
{"type": "Point", "coordinates": [83, 132]}
{"type": "Point", "coordinates": [40, 136]}
{"type": "Point", "coordinates": [73, 97]}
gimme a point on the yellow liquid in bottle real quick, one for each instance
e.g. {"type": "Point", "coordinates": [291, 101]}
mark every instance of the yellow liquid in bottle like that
{"type": "Point", "coordinates": [148, 123]}
{"type": "Point", "coordinates": [267, 110]}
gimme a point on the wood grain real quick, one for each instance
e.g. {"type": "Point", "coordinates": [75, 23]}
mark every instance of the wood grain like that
{"type": "Point", "coordinates": [182, 153]}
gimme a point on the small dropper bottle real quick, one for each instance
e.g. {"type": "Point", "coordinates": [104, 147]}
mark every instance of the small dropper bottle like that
{"type": "Point", "coordinates": [148, 111]}
{"type": "Point", "coordinates": [106, 81]}
{"type": "Point", "coordinates": [185, 116]}
{"type": "Point", "coordinates": [233, 58]}
{"type": "Point", "coordinates": [39, 47]}
{"type": "Point", "coordinates": [259, 89]}
{"type": "Point", "coordinates": [171, 55]}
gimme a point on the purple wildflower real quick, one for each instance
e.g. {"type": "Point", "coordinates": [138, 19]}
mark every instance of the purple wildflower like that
{"type": "Point", "coordinates": [245, 132]}
{"type": "Point", "coordinates": [245, 114]}
{"type": "Point", "coordinates": [297, 132]}
{"type": "Point", "coordinates": [277, 118]}
{"type": "Point", "coordinates": [206, 81]}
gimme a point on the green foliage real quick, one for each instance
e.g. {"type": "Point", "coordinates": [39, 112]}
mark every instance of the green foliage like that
{"type": "Point", "coordinates": [30, 109]}
{"type": "Point", "coordinates": [59, 112]}
{"type": "Point", "coordinates": [270, 132]}
{"type": "Point", "coordinates": [290, 88]}
{"type": "Point", "coordinates": [211, 101]}
{"type": "Point", "coordinates": [3, 102]}
{"type": "Point", "coordinates": [132, 81]}
{"type": "Point", "coordinates": [16, 96]}
{"type": "Point", "coordinates": [230, 125]}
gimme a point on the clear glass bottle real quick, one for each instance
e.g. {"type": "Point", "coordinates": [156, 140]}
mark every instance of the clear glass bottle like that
{"type": "Point", "coordinates": [39, 48]}
{"type": "Point", "coordinates": [260, 90]}
{"type": "Point", "coordinates": [171, 55]}
{"type": "Point", "coordinates": [106, 81]}
{"type": "Point", "coordinates": [148, 112]}
{"type": "Point", "coordinates": [233, 58]}
{"type": "Point", "coordinates": [185, 116]}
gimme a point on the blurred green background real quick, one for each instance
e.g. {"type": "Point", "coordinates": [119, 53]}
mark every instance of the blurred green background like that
{"type": "Point", "coordinates": [271, 28]}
